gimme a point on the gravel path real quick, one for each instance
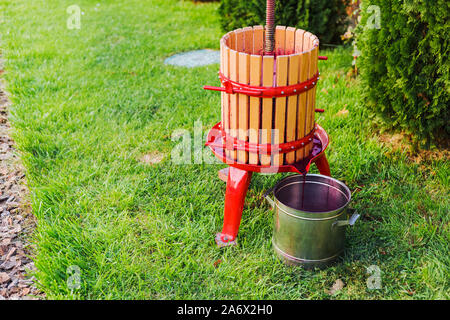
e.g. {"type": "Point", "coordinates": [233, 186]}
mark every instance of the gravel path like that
{"type": "Point", "coordinates": [16, 219]}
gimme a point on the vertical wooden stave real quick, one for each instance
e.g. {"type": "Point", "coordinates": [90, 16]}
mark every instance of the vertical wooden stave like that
{"type": "Point", "coordinates": [299, 33]}
{"type": "Point", "coordinates": [267, 107]}
{"type": "Point", "coordinates": [234, 103]}
{"type": "Point", "coordinates": [313, 72]}
{"type": "Point", "coordinates": [255, 105]}
{"type": "Point", "coordinates": [232, 44]}
{"type": "Point", "coordinates": [307, 45]}
{"type": "Point", "coordinates": [280, 106]}
{"type": "Point", "coordinates": [237, 98]}
{"type": "Point", "coordinates": [310, 110]}
{"type": "Point", "coordinates": [290, 40]}
{"type": "Point", "coordinates": [222, 94]}
{"type": "Point", "coordinates": [291, 107]}
{"type": "Point", "coordinates": [226, 105]}
{"type": "Point", "coordinates": [244, 44]}
{"type": "Point", "coordinates": [291, 112]}
{"type": "Point", "coordinates": [256, 62]}
{"type": "Point", "coordinates": [248, 40]}
{"type": "Point", "coordinates": [307, 50]}
{"type": "Point", "coordinates": [240, 41]}
{"type": "Point", "coordinates": [302, 103]}
{"type": "Point", "coordinates": [316, 44]}
{"type": "Point", "coordinates": [243, 100]}
{"type": "Point", "coordinates": [299, 41]}
{"type": "Point", "coordinates": [280, 40]}
{"type": "Point", "coordinates": [258, 40]}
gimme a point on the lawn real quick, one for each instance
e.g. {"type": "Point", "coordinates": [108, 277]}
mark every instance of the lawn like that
{"type": "Point", "coordinates": [88, 104]}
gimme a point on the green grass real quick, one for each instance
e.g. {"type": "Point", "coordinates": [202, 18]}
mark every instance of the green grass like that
{"type": "Point", "coordinates": [88, 103]}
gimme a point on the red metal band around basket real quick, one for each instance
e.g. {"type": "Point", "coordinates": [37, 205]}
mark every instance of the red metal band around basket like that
{"type": "Point", "coordinates": [231, 87]}
{"type": "Point", "coordinates": [232, 143]}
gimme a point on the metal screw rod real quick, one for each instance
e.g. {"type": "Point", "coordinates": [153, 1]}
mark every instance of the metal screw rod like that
{"type": "Point", "coordinates": [270, 27]}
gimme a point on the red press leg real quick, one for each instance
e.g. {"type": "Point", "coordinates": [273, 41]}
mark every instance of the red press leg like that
{"type": "Point", "coordinates": [237, 185]}
{"type": "Point", "coordinates": [323, 166]}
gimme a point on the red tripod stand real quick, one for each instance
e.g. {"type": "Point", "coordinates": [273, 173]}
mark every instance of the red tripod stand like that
{"type": "Point", "coordinates": [239, 176]}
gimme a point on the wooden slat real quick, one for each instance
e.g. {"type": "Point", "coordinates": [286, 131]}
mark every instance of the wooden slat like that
{"type": "Point", "coordinates": [244, 112]}
{"type": "Point", "coordinates": [235, 114]}
{"type": "Point", "coordinates": [258, 40]}
{"type": "Point", "coordinates": [312, 94]}
{"type": "Point", "coordinates": [248, 40]}
{"type": "Point", "coordinates": [240, 41]}
{"type": "Point", "coordinates": [232, 44]}
{"type": "Point", "coordinates": [316, 44]}
{"type": "Point", "coordinates": [267, 107]}
{"type": "Point", "coordinates": [299, 40]}
{"type": "Point", "coordinates": [290, 40]}
{"type": "Point", "coordinates": [226, 102]}
{"type": "Point", "coordinates": [234, 69]}
{"type": "Point", "coordinates": [291, 118]}
{"type": "Point", "coordinates": [302, 102]}
{"type": "Point", "coordinates": [280, 40]}
{"type": "Point", "coordinates": [280, 106]}
{"type": "Point", "coordinates": [307, 45]}
{"type": "Point", "coordinates": [255, 103]}
{"type": "Point", "coordinates": [307, 41]}
{"type": "Point", "coordinates": [222, 95]}
{"type": "Point", "coordinates": [227, 38]}
{"type": "Point", "coordinates": [244, 77]}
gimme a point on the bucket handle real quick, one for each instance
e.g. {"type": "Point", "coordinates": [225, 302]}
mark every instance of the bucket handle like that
{"type": "Point", "coordinates": [350, 222]}
{"type": "Point", "coordinates": [268, 198]}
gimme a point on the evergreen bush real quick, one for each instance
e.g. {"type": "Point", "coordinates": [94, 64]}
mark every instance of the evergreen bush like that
{"type": "Point", "coordinates": [404, 65]}
{"type": "Point", "coordinates": [325, 18]}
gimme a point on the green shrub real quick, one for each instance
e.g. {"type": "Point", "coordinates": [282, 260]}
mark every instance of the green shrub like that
{"type": "Point", "coordinates": [325, 18]}
{"type": "Point", "coordinates": [404, 65]}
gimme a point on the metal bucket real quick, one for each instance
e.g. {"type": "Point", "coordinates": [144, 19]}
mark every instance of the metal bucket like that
{"type": "Point", "coordinates": [310, 219]}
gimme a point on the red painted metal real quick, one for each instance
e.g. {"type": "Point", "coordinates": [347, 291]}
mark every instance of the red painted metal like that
{"type": "Point", "coordinates": [239, 176]}
{"type": "Point", "coordinates": [323, 165]}
{"type": "Point", "coordinates": [237, 186]}
{"type": "Point", "coordinates": [232, 87]}
{"type": "Point", "coordinates": [232, 143]}
{"type": "Point", "coordinates": [320, 143]}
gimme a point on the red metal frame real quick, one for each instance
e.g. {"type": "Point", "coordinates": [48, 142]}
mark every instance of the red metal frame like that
{"type": "Point", "coordinates": [232, 143]}
{"type": "Point", "coordinates": [232, 87]}
{"type": "Point", "coordinates": [239, 176]}
{"type": "Point", "coordinates": [320, 143]}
